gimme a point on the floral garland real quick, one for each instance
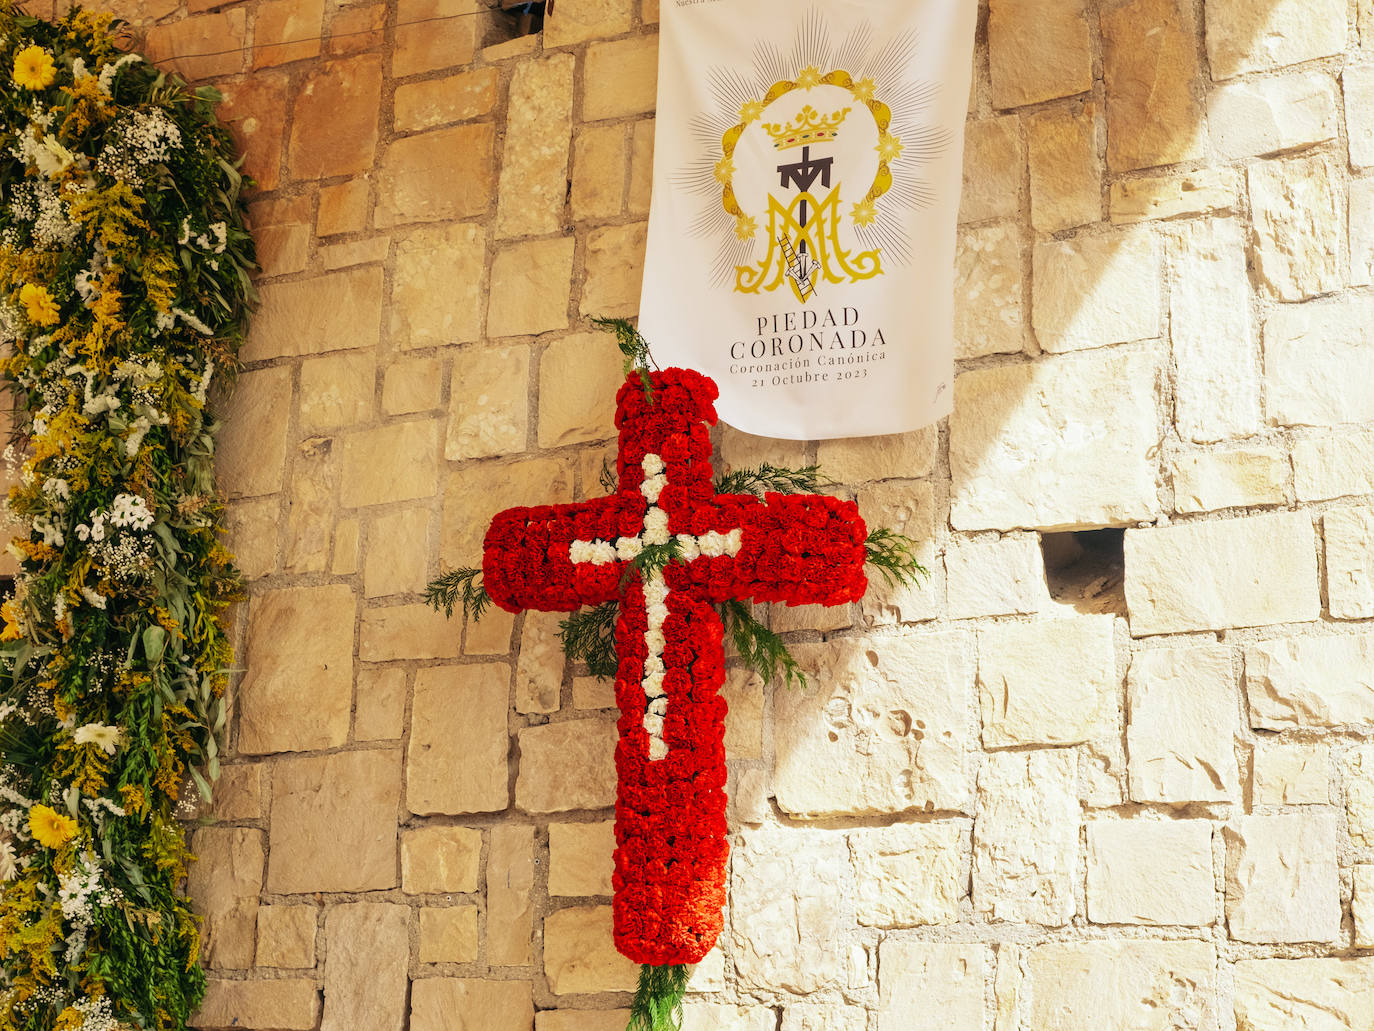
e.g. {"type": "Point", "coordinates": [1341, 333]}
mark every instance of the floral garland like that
{"type": "Point", "coordinates": [124, 292]}
{"type": "Point", "coordinates": [664, 550]}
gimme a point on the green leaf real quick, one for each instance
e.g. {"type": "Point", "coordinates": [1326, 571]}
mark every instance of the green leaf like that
{"type": "Point", "coordinates": [154, 643]}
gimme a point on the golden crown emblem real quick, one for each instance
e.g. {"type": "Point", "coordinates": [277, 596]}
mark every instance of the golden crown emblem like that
{"type": "Point", "coordinates": [809, 127]}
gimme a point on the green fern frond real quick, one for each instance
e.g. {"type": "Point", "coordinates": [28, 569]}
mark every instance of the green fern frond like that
{"type": "Point", "coordinates": [771, 478]}
{"type": "Point", "coordinates": [589, 636]}
{"type": "Point", "coordinates": [652, 558]}
{"type": "Point", "coordinates": [763, 651]}
{"type": "Point", "coordinates": [894, 556]}
{"type": "Point", "coordinates": [635, 349]}
{"type": "Point", "coordinates": [658, 1001]}
{"type": "Point", "coordinates": [460, 587]}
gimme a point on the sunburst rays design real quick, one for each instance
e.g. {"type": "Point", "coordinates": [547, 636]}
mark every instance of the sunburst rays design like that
{"type": "Point", "coordinates": [736, 96]}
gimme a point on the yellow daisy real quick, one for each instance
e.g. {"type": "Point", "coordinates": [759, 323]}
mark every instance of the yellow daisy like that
{"type": "Point", "coordinates": [725, 170]}
{"type": "Point", "coordinates": [746, 227]}
{"type": "Point", "coordinates": [750, 110]}
{"type": "Point", "coordinates": [14, 628]}
{"type": "Point", "coordinates": [889, 147]}
{"type": "Point", "coordinates": [863, 90]}
{"type": "Point", "coordinates": [50, 828]}
{"type": "Point", "coordinates": [864, 213]}
{"type": "Point", "coordinates": [38, 305]}
{"type": "Point", "coordinates": [33, 68]}
{"type": "Point", "coordinates": [809, 77]}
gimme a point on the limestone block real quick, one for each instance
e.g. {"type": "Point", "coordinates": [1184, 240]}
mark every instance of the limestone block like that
{"type": "Point", "coordinates": [252, 527]}
{"type": "Point", "coordinates": [988, 314]}
{"type": "Point", "coordinates": [578, 379]}
{"type": "Point", "coordinates": [225, 885]}
{"type": "Point", "coordinates": [1217, 393]}
{"type": "Point", "coordinates": [397, 553]}
{"type": "Point", "coordinates": [510, 879]}
{"type": "Point", "coordinates": [908, 874]}
{"type": "Point", "coordinates": [1096, 290]}
{"type": "Point", "coordinates": [993, 159]}
{"type": "Point", "coordinates": [813, 1017]}
{"type": "Point", "coordinates": [581, 1020]}
{"type": "Point", "coordinates": [743, 693]}
{"type": "Point", "coordinates": [534, 162]}
{"type": "Point", "coordinates": [579, 21]}
{"type": "Point", "coordinates": [398, 462]}
{"type": "Point", "coordinates": [994, 576]}
{"type": "Point", "coordinates": [601, 156]}
{"type": "Point", "coordinates": [740, 450]}
{"type": "Point", "coordinates": [529, 292]}
{"type": "Point", "coordinates": [1290, 773]}
{"type": "Point", "coordinates": [439, 860]}
{"type": "Point", "coordinates": [475, 493]}
{"type": "Point", "coordinates": [1243, 572]}
{"type": "Point", "coordinates": [1055, 444]}
{"type": "Point", "coordinates": [926, 987]}
{"type": "Point", "coordinates": [714, 1016]}
{"type": "Point", "coordinates": [336, 391]}
{"type": "Point", "coordinates": [1312, 994]}
{"type": "Point", "coordinates": [1025, 837]}
{"type": "Point", "coordinates": [1038, 50]}
{"type": "Point", "coordinates": [334, 823]}
{"type": "Point", "coordinates": [255, 112]}
{"type": "Point", "coordinates": [1282, 883]}
{"type": "Point", "coordinates": [1361, 225]}
{"type": "Point", "coordinates": [251, 450]}
{"type": "Point", "coordinates": [790, 940]}
{"type": "Point", "coordinates": [1310, 351]}
{"type": "Point", "coordinates": [709, 974]}
{"type": "Point", "coordinates": [1123, 984]}
{"type": "Point", "coordinates": [566, 766]}
{"type": "Point", "coordinates": [437, 286]}
{"type": "Point", "coordinates": [238, 792]}
{"type": "Point", "coordinates": [1349, 534]}
{"type": "Point", "coordinates": [1298, 221]}
{"type": "Point", "coordinates": [615, 270]}
{"type": "Point", "coordinates": [1065, 175]}
{"type": "Point", "coordinates": [884, 728]}
{"type": "Point", "coordinates": [423, 105]}
{"type": "Point", "coordinates": [511, 49]}
{"type": "Point", "coordinates": [1362, 905]}
{"type": "Point", "coordinates": [539, 671]}
{"type": "Point", "coordinates": [893, 456]}
{"type": "Point", "coordinates": [1247, 37]}
{"type": "Point", "coordinates": [593, 693]}
{"type": "Point", "coordinates": [749, 797]}
{"type": "Point", "coordinates": [365, 977]}
{"type": "Point", "coordinates": [454, 704]}
{"type": "Point", "coordinates": [1171, 194]}
{"type": "Point", "coordinates": [1334, 464]}
{"type": "Point", "coordinates": [412, 385]}
{"type": "Point", "coordinates": [1357, 768]}
{"type": "Point", "coordinates": [1181, 726]}
{"type": "Point", "coordinates": [286, 1004]}
{"type": "Point", "coordinates": [907, 508]}
{"type": "Point", "coordinates": [1264, 116]}
{"type": "Point", "coordinates": [297, 695]}
{"type": "Point", "coordinates": [343, 208]}
{"type": "Point", "coordinates": [448, 935]}
{"type": "Point", "coordinates": [1208, 480]}
{"type": "Point", "coordinates": [1150, 872]}
{"type": "Point", "coordinates": [641, 167]}
{"type": "Point", "coordinates": [406, 632]}
{"type": "Point", "coordinates": [580, 858]}
{"type": "Point", "coordinates": [436, 176]}
{"type": "Point", "coordinates": [464, 1004]}
{"type": "Point", "coordinates": [334, 121]}
{"type": "Point", "coordinates": [287, 30]}
{"type": "Point", "coordinates": [281, 230]}
{"type": "Point", "coordinates": [620, 78]}
{"type": "Point", "coordinates": [488, 403]}
{"type": "Point", "coordinates": [580, 954]}
{"type": "Point", "coordinates": [1149, 63]}
{"type": "Point", "coordinates": [333, 312]}
{"type": "Point", "coordinates": [1311, 681]}
{"type": "Point", "coordinates": [312, 511]}
{"type": "Point", "coordinates": [199, 48]}
{"type": "Point", "coordinates": [1047, 683]}
{"type": "Point", "coordinates": [345, 561]}
{"type": "Point", "coordinates": [286, 936]}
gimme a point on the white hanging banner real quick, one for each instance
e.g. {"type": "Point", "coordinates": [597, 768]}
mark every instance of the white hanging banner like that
{"type": "Point", "coordinates": [807, 168]}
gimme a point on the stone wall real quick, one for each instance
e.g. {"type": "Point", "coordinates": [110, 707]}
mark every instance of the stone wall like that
{"type": "Point", "coordinates": [1074, 781]}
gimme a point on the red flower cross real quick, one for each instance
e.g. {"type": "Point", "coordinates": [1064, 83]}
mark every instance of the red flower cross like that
{"type": "Point", "coordinates": [797, 548]}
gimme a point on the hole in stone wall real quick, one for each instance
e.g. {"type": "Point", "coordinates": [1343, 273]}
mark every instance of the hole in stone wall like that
{"type": "Point", "coordinates": [1087, 569]}
{"type": "Point", "coordinates": [516, 18]}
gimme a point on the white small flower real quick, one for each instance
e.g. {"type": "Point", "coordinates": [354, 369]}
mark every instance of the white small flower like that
{"type": "Point", "coordinates": [106, 738]}
{"type": "Point", "coordinates": [655, 591]}
{"type": "Point", "coordinates": [627, 548]}
{"type": "Point", "coordinates": [579, 552]}
{"type": "Point", "coordinates": [656, 526]}
{"type": "Point", "coordinates": [9, 867]}
{"type": "Point", "coordinates": [93, 598]}
{"type": "Point", "coordinates": [688, 547]}
{"type": "Point", "coordinates": [652, 465]}
{"type": "Point", "coordinates": [652, 487]}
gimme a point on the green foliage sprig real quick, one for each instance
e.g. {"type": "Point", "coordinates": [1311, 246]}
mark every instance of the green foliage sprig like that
{"type": "Point", "coordinates": [893, 555]}
{"type": "Point", "coordinates": [766, 478]}
{"type": "Point", "coordinates": [458, 588]}
{"type": "Point", "coordinates": [634, 348]}
{"type": "Point", "coordinates": [657, 1003]}
{"type": "Point", "coordinates": [761, 650]}
{"type": "Point", "coordinates": [125, 292]}
{"type": "Point", "coordinates": [589, 636]}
